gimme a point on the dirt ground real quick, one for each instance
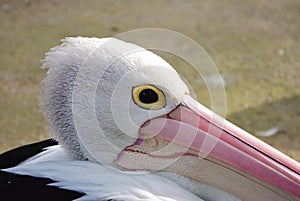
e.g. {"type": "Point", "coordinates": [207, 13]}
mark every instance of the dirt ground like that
{"type": "Point", "coordinates": [255, 45]}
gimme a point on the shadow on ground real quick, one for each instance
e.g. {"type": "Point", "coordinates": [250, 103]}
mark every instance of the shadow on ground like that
{"type": "Point", "coordinates": [283, 114]}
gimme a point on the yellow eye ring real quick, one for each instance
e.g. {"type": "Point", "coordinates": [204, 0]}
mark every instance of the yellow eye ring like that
{"type": "Point", "coordinates": [148, 97]}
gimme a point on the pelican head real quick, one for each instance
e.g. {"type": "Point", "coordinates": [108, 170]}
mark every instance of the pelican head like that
{"type": "Point", "coordinates": [115, 103]}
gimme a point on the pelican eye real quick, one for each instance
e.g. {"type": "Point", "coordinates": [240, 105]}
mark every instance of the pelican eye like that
{"type": "Point", "coordinates": [149, 97]}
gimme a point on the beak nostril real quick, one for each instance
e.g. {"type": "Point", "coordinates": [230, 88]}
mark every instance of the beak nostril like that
{"type": "Point", "coordinates": [183, 105]}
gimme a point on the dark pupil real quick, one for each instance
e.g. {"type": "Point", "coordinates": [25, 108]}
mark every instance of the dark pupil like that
{"type": "Point", "coordinates": [148, 96]}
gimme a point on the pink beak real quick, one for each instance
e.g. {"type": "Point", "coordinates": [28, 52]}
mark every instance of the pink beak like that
{"type": "Point", "coordinates": [197, 128]}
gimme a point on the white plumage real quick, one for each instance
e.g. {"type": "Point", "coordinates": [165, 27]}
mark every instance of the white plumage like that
{"type": "Point", "coordinates": [89, 101]}
{"type": "Point", "coordinates": [103, 182]}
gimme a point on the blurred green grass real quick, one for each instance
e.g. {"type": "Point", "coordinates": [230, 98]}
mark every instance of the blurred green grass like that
{"type": "Point", "coordinates": [254, 43]}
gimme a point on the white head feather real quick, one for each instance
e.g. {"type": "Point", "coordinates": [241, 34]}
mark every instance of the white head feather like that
{"type": "Point", "coordinates": [87, 94]}
{"type": "Point", "coordinates": [87, 99]}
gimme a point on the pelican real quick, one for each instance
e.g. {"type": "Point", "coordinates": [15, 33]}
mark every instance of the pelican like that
{"type": "Point", "coordinates": [126, 128]}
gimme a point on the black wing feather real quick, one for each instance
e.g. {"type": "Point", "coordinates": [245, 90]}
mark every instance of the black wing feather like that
{"type": "Point", "coordinates": [20, 187]}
